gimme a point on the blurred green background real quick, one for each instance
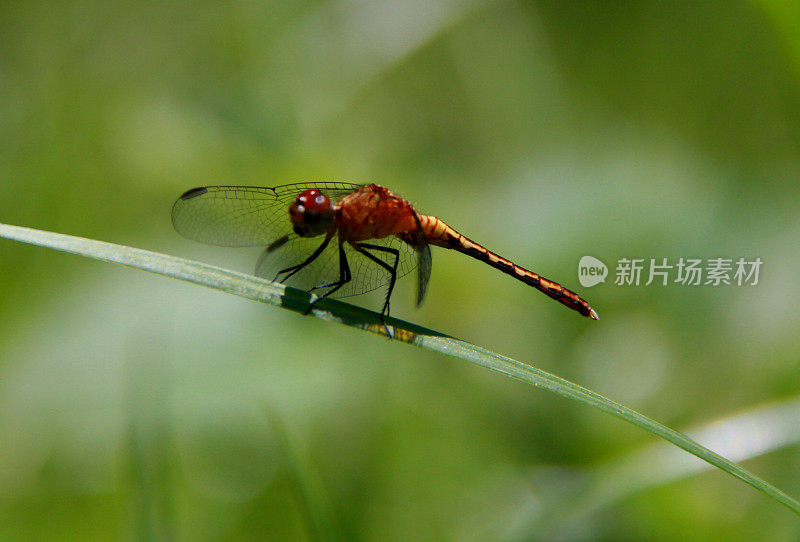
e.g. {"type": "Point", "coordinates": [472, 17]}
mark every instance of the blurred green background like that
{"type": "Point", "coordinates": [137, 407]}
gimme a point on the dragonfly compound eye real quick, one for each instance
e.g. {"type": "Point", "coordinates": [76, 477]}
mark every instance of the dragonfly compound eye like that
{"type": "Point", "coordinates": [311, 213]}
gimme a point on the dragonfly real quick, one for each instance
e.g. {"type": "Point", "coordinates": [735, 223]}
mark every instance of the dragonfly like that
{"type": "Point", "coordinates": [340, 239]}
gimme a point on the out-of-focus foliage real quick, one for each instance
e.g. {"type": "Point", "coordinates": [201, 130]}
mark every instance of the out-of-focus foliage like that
{"type": "Point", "coordinates": [131, 406]}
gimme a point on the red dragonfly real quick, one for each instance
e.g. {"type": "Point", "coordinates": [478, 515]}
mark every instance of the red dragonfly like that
{"type": "Point", "coordinates": [377, 237]}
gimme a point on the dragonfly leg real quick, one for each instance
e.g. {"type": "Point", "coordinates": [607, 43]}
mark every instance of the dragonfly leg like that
{"type": "Point", "coordinates": [295, 268]}
{"type": "Point", "coordinates": [392, 269]}
{"type": "Point", "coordinates": [344, 278]}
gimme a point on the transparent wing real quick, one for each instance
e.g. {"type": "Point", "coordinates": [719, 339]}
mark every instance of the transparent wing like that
{"type": "Point", "coordinates": [251, 216]}
{"type": "Point", "coordinates": [366, 274]}
{"type": "Point", "coordinates": [238, 216]}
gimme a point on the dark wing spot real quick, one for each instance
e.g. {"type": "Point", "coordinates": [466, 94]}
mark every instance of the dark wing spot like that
{"type": "Point", "coordinates": [194, 192]}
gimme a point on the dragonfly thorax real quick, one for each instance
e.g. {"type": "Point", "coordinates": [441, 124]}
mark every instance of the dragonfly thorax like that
{"type": "Point", "coordinates": [311, 213]}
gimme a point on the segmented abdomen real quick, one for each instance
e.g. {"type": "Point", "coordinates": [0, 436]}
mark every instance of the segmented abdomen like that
{"type": "Point", "coordinates": [440, 234]}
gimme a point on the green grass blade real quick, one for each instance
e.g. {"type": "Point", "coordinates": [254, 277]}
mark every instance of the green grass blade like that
{"type": "Point", "coordinates": [744, 435]}
{"type": "Point", "coordinates": [307, 484]}
{"type": "Point", "coordinates": [257, 289]}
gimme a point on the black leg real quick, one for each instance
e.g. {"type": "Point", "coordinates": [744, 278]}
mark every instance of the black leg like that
{"type": "Point", "coordinates": [295, 268]}
{"type": "Point", "coordinates": [392, 269]}
{"type": "Point", "coordinates": [344, 278]}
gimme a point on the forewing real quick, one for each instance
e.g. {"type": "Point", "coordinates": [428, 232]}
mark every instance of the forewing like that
{"type": "Point", "coordinates": [335, 190]}
{"type": "Point", "coordinates": [243, 215]}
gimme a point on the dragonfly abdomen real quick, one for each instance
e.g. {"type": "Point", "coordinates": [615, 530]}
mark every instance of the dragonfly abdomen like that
{"type": "Point", "coordinates": [440, 234]}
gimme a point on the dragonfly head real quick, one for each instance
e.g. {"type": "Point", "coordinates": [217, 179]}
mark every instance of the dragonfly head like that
{"type": "Point", "coordinates": [311, 213]}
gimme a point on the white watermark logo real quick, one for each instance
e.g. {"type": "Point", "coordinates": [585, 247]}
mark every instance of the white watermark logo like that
{"type": "Point", "coordinates": [591, 271]}
{"type": "Point", "coordinates": [662, 271]}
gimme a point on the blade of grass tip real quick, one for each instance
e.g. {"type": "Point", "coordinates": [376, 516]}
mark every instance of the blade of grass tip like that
{"type": "Point", "coordinates": [539, 378]}
{"type": "Point", "coordinates": [257, 289]}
